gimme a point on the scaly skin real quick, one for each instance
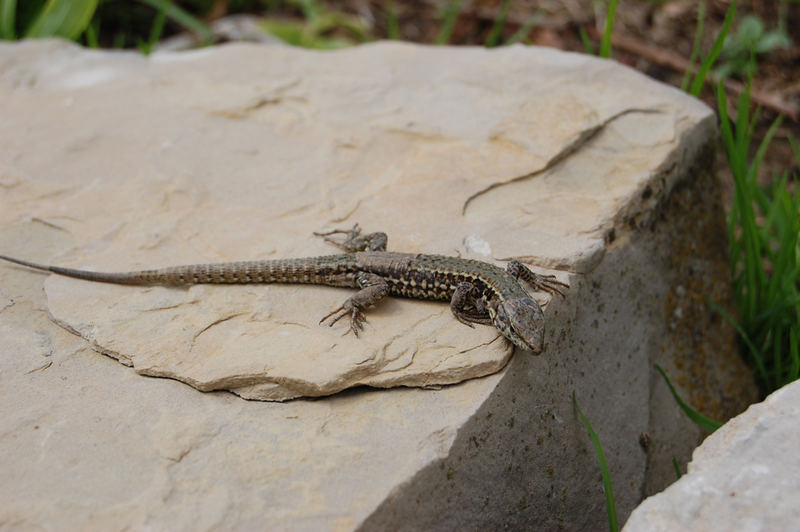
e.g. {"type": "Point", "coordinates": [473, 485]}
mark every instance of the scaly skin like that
{"type": "Point", "coordinates": [478, 292]}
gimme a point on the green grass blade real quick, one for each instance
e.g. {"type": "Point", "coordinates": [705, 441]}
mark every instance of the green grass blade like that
{"type": "Point", "coordinates": [156, 30]}
{"type": "Point", "coordinates": [794, 356]}
{"type": "Point", "coordinates": [726, 133]}
{"type": "Point", "coordinates": [745, 126]}
{"type": "Point", "coordinates": [605, 43]}
{"type": "Point", "coordinates": [586, 40]}
{"type": "Point", "coordinates": [182, 18]}
{"type": "Point", "coordinates": [62, 18]}
{"type": "Point", "coordinates": [698, 37]}
{"type": "Point", "coordinates": [119, 40]}
{"type": "Point", "coordinates": [777, 358]}
{"type": "Point", "coordinates": [523, 31]}
{"type": "Point", "coordinates": [762, 147]}
{"type": "Point", "coordinates": [449, 22]}
{"type": "Point", "coordinates": [392, 22]}
{"type": "Point", "coordinates": [677, 468]}
{"type": "Point", "coordinates": [795, 148]}
{"type": "Point", "coordinates": [758, 358]}
{"type": "Point", "coordinates": [499, 24]}
{"type": "Point", "coordinates": [312, 10]}
{"type": "Point", "coordinates": [705, 423]}
{"type": "Point", "coordinates": [91, 35]}
{"type": "Point", "coordinates": [716, 48]}
{"type": "Point", "coordinates": [611, 507]}
{"type": "Point", "coordinates": [8, 14]}
{"type": "Point", "coordinates": [750, 277]}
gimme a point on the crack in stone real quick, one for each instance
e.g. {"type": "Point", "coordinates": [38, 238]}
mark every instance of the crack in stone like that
{"type": "Point", "coordinates": [483, 344]}
{"type": "Point", "coordinates": [212, 324]}
{"type": "Point", "coordinates": [48, 224]}
{"type": "Point", "coordinates": [584, 137]}
{"type": "Point", "coordinates": [40, 368]}
{"type": "Point", "coordinates": [276, 96]}
{"type": "Point", "coordinates": [167, 307]}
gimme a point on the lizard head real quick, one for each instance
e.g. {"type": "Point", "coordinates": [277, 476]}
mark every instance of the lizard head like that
{"type": "Point", "coordinates": [520, 320]}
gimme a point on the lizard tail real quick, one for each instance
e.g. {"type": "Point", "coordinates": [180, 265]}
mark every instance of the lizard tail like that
{"type": "Point", "coordinates": [26, 263]}
{"type": "Point", "coordinates": [332, 270]}
{"type": "Point", "coordinates": [117, 278]}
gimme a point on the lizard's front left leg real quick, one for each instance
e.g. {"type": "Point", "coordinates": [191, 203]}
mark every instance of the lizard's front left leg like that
{"type": "Point", "coordinates": [355, 241]}
{"type": "Point", "coordinates": [373, 289]}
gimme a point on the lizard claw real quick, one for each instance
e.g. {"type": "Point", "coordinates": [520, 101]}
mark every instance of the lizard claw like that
{"type": "Point", "coordinates": [354, 240]}
{"type": "Point", "coordinates": [357, 319]}
{"type": "Point", "coordinates": [351, 235]}
{"type": "Point", "coordinates": [546, 283]}
{"type": "Point", "coordinates": [355, 231]}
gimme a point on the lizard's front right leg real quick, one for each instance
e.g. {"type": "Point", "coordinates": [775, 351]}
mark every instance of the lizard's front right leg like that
{"type": "Point", "coordinates": [467, 305]}
{"type": "Point", "coordinates": [373, 289]}
{"type": "Point", "coordinates": [355, 241]}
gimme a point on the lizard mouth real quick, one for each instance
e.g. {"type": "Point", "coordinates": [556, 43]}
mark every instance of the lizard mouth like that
{"type": "Point", "coordinates": [522, 322]}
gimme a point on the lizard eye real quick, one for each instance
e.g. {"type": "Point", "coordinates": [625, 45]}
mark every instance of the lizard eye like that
{"type": "Point", "coordinates": [500, 317]}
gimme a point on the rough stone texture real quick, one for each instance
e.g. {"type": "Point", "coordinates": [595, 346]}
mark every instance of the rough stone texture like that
{"type": "Point", "coordinates": [743, 477]}
{"type": "Point", "coordinates": [112, 161]}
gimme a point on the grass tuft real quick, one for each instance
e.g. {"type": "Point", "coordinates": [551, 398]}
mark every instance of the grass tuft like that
{"type": "Point", "coordinates": [764, 229]}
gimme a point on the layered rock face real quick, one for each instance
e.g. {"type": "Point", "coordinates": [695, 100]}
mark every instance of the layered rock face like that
{"type": "Point", "coordinates": [578, 167]}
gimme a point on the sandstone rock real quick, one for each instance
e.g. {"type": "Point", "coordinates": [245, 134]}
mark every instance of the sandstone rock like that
{"type": "Point", "coordinates": [112, 161]}
{"type": "Point", "coordinates": [744, 476]}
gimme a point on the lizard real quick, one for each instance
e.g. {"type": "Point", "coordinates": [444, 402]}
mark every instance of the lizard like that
{"type": "Point", "coordinates": [478, 292]}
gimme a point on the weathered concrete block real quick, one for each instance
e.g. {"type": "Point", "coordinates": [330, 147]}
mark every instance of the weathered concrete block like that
{"type": "Point", "coordinates": [581, 167]}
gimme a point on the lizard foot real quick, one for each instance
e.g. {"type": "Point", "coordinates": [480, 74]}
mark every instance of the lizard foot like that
{"type": "Point", "coordinates": [357, 318]}
{"type": "Point", "coordinates": [355, 241]}
{"type": "Point", "coordinates": [546, 283]}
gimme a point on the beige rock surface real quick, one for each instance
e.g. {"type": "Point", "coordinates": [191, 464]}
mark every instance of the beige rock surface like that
{"type": "Point", "coordinates": [110, 161]}
{"type": "Point", "coordinates": [209, 162]}
{"type": "Point", "coordinates": [744, 476]}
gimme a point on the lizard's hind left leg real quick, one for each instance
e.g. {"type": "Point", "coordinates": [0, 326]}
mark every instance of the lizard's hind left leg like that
{"type": "Point", "coordinates": [373, 289]}
{"type": "Point", "coordinates": [355, 241]}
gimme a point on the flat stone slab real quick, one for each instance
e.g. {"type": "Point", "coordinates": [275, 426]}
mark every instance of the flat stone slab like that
{"type": "Point", "coordinates": [580, 167]}
{"type": "Point", "coordinates": [222, 163]}
{"type": "Point", "coordinates": [744, 476]}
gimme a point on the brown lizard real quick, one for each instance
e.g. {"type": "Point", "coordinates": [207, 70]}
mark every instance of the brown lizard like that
{"type": "Point", "coordinates": [478, 292]}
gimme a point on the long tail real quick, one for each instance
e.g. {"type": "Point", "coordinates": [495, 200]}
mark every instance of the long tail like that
{"type": "Point", "coordinates": [315, 270]}
{"type": "Point", "coordinates": [103, 277]}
